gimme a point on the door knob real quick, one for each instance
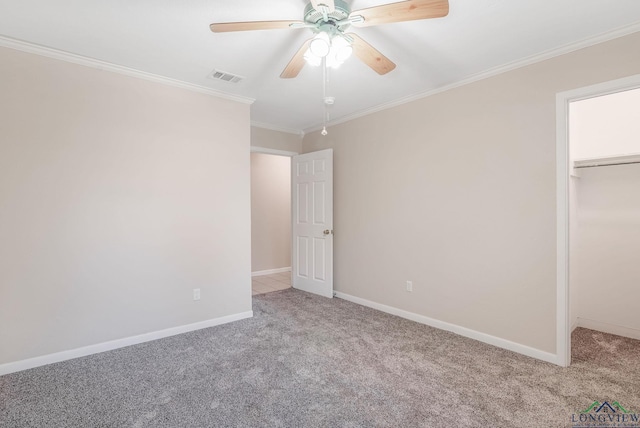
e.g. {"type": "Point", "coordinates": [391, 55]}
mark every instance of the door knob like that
{"type": "Point", "coordinates": [328, 232]}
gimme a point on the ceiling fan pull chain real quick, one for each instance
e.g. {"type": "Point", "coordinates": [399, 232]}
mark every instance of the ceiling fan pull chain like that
{"type": "Point", "coordinates": [324, 78]}
{"type": "Point", "coordinates": [324, 96]}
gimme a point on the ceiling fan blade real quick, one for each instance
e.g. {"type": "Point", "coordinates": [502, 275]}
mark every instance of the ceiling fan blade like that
{"type": "Point", "coordinates": [370, 55]}
{"type": "Point", "coordinates": [224, 27]}
{"type": "Point", "coordinates": [402, 11]}
{"type": "Point", "coordinates": [297, 62]}
{"type": "Point", "coordinates": [328, 3]}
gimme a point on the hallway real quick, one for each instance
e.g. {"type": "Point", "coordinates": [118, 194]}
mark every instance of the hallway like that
{"type": "Point", "coordinates": [267, 283]}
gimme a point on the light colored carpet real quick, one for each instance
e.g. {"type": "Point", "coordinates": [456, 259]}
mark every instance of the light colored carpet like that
{"type": "Point", "coordinates": [306, 361]}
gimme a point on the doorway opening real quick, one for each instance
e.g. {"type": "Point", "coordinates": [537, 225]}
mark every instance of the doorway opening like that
{"type": "Point", "coordinates": [301, 221]}
{"type": "Point", "coordinates": [270, 221]}
{"type": "Point", "coordinates": [598, 172]}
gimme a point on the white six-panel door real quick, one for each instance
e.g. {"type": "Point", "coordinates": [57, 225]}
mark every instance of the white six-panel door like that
{"type": "Point", "coordinates": [312, 181]}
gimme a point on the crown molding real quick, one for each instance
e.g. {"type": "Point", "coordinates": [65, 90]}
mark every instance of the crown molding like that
{"type": "Point", "coordinates": [32, 48]}
{"type": "Point", "coordinates": [277, 128]}
{"type": "Point", "coordinates": [562, 50]}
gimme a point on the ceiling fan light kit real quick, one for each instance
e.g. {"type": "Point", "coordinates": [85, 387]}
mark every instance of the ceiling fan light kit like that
{"type": "Point", "coordinates": [336, 50]}
{"type": "Point", "coordinates": [329, 19]}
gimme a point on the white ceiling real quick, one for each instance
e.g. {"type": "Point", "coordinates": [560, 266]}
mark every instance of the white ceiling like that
{"type": "Point", "coordinates": [171, 38]}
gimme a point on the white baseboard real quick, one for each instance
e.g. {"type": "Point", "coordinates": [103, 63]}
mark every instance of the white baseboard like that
{"type": "Point", "coordinates": [271, 271]}
{"type": "Point", "coordinates": [605, 327]}
{"type": "Point", "coordinates": [574, 325]}
{"type": "Point", "coordinates": [462, 331]}
{"type": "Point", "coordinates": [115, 344]}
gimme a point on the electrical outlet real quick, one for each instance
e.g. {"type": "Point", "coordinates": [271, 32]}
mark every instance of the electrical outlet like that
{"type": "Point", "coordinates": [196, 294]}
{"type": "Point", "coordinates": [409, 286]}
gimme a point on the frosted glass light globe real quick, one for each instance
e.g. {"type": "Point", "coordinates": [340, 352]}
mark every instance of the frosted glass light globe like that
{"type": "Point", "coordinates": [320, 45]}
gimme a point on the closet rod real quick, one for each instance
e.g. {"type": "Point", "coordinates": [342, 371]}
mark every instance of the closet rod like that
{"type": "Point", "coordinates": [607, 161]}
{"type": "Point", "coordinates": [606, 164]}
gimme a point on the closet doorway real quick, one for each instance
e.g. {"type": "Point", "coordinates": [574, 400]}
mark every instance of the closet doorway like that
{"type": "Point", "coordinates": [604, 270]}
{"type": "Point", "coordinates": [598, 212]}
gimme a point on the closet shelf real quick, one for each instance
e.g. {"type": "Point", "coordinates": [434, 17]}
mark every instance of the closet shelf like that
{"type": "Point", "coordinates": [607, 160]}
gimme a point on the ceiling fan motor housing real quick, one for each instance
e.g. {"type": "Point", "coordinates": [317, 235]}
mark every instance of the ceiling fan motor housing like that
{"type": "Point", "coordinates": [342, 11]}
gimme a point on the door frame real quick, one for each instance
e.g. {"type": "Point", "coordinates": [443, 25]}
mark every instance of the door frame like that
{"type": "Point", "coordinates": [285, 153]}
{"type": "Point", "coordinates": [265, 151]}
{"type": "Point", "coordinates": [563, 170]}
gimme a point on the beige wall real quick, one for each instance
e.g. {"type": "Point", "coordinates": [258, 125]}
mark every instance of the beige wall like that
{"type": "Point", "coordinates": [276, 140]}
{"type": "Point", "coordinates": [118, 196]}
{"type": "Point", "coordinates": [605, 272]}
{"type": "Point", "coordinates": [270, 212]}
{"type": "Point", "coordinates": [457, 192]}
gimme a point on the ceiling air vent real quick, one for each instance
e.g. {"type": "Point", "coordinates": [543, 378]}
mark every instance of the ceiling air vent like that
{"type": "Point", "coordinates": [225, 77]}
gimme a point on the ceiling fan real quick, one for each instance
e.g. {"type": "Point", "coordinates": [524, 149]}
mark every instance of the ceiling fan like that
{"type": "Point", "coordinates": [329, 19]}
